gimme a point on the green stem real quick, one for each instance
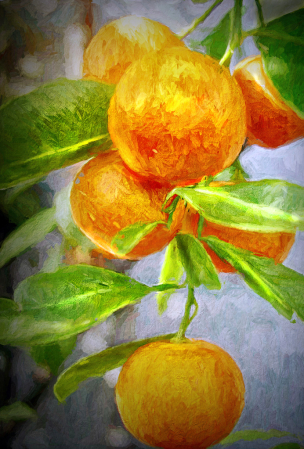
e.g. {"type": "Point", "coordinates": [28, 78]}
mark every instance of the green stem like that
{"type": "Point", "coordinates": [265, 32]}
{"type": "Point", "coordinates": [235, 32]}
{"type": "Point", "coordinates": [186, 318]}
{"type": "Point", "coordinates": [198, 20]}
{"type": "Point", "coordinates": [260, 13]}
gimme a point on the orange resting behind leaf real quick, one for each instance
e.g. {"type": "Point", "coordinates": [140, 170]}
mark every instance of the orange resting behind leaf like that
{"type": "Point", "coordinates": [177, 115]}
{"type": "Point", "coordinates": [275, 245]}
{"type": "Point", "coordinates": [180, 395]}
{"type": "Point", "coordinates": [106, 197]}
{"type": "Point", "coordinates": [119, 43]}
{"type": "Point", "coordinates": [270, 121]}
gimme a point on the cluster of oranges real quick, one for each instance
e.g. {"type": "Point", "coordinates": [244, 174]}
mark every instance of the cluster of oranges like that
{"type": "Point", "coordinates": [176, 116]}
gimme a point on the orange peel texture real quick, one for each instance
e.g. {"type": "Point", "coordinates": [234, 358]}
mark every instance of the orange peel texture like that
{"type": "Point", "coordinates": [270, 121]}
{"type": "Point", "coordinates": [123, 41]}
{"type": "Point", "coordinates": [177, 115]}
{"type": "Point", "coordinates": [106, 197]}
{"type": "Point", "coordinates": [180, 395]}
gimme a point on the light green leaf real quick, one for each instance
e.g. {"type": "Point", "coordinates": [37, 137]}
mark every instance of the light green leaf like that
{"type": "Point", "coordinates": [28, 235]}
{"type": "Point", "coordinates": [18, 411]}
{"type": "Point", "coordinates": [233, 173]}
{"type": "Point", "coordinates": [97, 365]}
{"type": "Point", "coordinates": [261, 206]}
{"type": "Point", "coordinates": [283, 59]}
{"type": "Point", "coordinates": [126, 239]}
{"type": "Point", "coordinates": [281, 286]}
{"type": "Point", "coordinates": [171, 272]}
{"type": "Point", "coordinates": [55, 306]}
{"type": "Point", "coordinates": [252, 435]}
{"type": "Point", "coordinates": [52, 126]}
{"type": "Point", "coordinates": [197, 263]}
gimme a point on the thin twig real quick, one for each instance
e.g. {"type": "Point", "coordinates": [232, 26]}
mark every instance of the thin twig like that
{"type": "Point", "coordinates": [186, 318]}
{"type": "Point", "coordinates": [235, 32]}
{"type": "Point", "coordinates": [198, 20]}
{"type": "Point", "coordinates": [260, 13]}
{"type": "Point", "coordinates": [265, 32]}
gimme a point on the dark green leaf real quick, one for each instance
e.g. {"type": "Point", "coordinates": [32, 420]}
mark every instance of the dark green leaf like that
{"type": "Point", "coordinates": [171, 272]}
{"type": "Point", "coordinates": [253, 435]}
{"type": "Point", "coordinates": [288, 446]}
{"type": "Point", "coordinates": [281, 286]}
{"type": "Point", "coordinates": [55, 125]}
{"type": "Point", "coordinates": [7, 306]}
{"type": "Point", "coordinates": [283, 60]}
{"type": "Point", "coordinates": [261, 206]}
{"type": "Point", "coordinates": [197, 263]}
{"type": "Point", "coordinates": [126, 239]}
{"type": "Point", "coordinates": [53, 355]}
{"type": "Point", "coordinates": [27, 235]}
{"type": "Point", "coordinates": [18, 411]}
{"type": "Point", "coordinates": [97, 365]}
{"type": "Point", "coordinates": [55, 306]}
{"type": "Point", "coordinates": [216, 42]}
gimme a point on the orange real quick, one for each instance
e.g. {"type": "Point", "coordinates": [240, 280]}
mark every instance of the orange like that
{"type": "Point", "coordinates": [275, 245]}
{"type": "Point", "coordinates": [106, 197]}
{"type": "Point", "coordinates": [119, 43]}
{"type": "Point", "coordinates": [180, 395]}
{"type": "Point", "coordinates": [270, 121]}
{"type": "Point", "coordinates": [177, 115]}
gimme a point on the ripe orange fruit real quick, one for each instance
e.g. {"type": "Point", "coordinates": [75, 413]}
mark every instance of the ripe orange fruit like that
{"type": "Point", "coordinates": [180, 395]}
{"type": "Point", "coordinates": [275, 245]}
{"type": "Point", "coordinates": [177, 115]}
{"type": "Point", "coordinates": [270, 121]}
{"type": "Point", "coordinates": [119, 43]}
{"type": "Point", "coordinates": [106, 197]}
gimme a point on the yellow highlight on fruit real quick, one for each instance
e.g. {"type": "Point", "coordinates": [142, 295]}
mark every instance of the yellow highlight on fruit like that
{"type": "Point", "coordinates": [177, 115]}
{"type": "Point", "coordinates": [121, 42]}
{"type": "Point", "coordinates": [180, 395]}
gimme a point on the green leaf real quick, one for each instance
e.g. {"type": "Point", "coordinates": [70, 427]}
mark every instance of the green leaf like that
{"type": "Point", "coordinates": [283, 59]}
{"type": "Point", "coordinates": [252, 435]}
{"type": "Point", "coordinates": [55, 306]}
{"type": "Point", "coordinates": [7, 306]}
{"type": "Point", "coordinates": [53, 355]}
{"type": "Point", "coordinates": [126, 239]}
{"type": "Point", "coordinates": [97, 365]}
{"type": "Point", "coordinates": [197, 263]}
{"type": "Point", "coordinates": [261, 206]}
{"type": "Point", "coordinates": [216, 42]}
{"type": "Point", "coordinates": [27, 235]}
{"type": "Point", "coordinates": [281, 286]}
{"type": "Point", "coordinates": [233, 173]}
{"type": "Point", "coordinates": [18, 411]}
{"type": "Point", "coordinates": [172, 272]}
{"type": "Point", "coordinates": [53, 126]}
{"type": "Point", "coordinates": [288, 446]}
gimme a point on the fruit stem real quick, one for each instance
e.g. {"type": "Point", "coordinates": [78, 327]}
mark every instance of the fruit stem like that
{"type": "Point", "coordinates": [260, 13]}
{"type": "Point", "coordinates": [191, 301]}
{"type": "Point", "coordinates": [184, 33]}
{"type": "Point", "coordinates": [236, 35]}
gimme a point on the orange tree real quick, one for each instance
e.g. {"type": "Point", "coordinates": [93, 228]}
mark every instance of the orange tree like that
{"type": "Point", "coordinates": [64, 122]}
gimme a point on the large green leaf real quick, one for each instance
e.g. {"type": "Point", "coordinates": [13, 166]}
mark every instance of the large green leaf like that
{"type": "Point", "coordinates": [18, 411]}
{"type": "Point", "coordinates": [27, 235]}
{"type": "Point", "coordinates": [55, 306]}
{"type": "Point", "coordinates": [53, 126]}
{"type": "Point", "coordinates": [283, 59]}
{"type": "Point", "coordinates": [216, 42]}
{"type": "Point", "coordinates": [197, 262]}
{"type": "Point", "coordinates": [171, 272]}
{"type": "Point", "coordinates": [262, 206]}
{"type": "Point", "coordinates": [281, 286]}
{"type": "Point", "coordinates": [53, 355]}
{"type": "Point", "coordinates": [97, 365]}
{"type": "Point", "coordinates": [126, 239]}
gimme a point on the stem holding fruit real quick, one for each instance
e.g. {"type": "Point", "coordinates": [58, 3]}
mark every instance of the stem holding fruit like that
{"type": "Point", "coordinates": [235, 32]}
{"type": "Point", "coordinates": [191, 301]}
